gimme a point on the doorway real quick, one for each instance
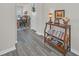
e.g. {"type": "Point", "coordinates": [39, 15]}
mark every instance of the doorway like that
{"type": "Point", "coordinates": [23, 19]}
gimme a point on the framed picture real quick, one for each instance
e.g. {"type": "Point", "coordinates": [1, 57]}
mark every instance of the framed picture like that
{"type": "Point", "coordinates": [59, 14]}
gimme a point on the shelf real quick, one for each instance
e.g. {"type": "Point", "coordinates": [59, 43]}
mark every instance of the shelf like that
{"type": "Point", "coordinates": [61, 49]}
{"type": "Point", "coordinates": [58, 41]}
{"type": "Point", "coordinates": [60, 25]}
{"type": "Point", "coordinates": [55, 37]}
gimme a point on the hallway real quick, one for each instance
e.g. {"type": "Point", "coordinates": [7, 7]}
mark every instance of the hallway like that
{"type": "Point", "coordinates": [17, 40]}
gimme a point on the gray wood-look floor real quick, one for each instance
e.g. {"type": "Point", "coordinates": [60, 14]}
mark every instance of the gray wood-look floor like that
{"type": "Point", "coordinates": [31, 44]}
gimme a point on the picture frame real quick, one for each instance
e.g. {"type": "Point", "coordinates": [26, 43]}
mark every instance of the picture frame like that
{"type": "Point", "coordinates": [59, 14]}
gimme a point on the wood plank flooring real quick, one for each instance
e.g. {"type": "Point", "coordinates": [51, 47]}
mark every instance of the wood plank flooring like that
{"type": "Point", "coordinates": [31, 44]}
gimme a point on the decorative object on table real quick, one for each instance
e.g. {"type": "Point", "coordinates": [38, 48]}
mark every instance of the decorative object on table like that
{"type": "Point", "coordinates": [65, 20]}
{"type": "Point", "coordinates": [59, 14]}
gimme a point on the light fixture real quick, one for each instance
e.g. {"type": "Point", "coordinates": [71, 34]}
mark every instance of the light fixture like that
{"type": "Point", "coordinates": [33, 8]}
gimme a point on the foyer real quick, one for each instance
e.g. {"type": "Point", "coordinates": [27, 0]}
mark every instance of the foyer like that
{"type": "Point", "coordinates": [29, 40]}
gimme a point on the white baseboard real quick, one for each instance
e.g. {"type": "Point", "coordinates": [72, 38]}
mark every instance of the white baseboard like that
{"type": "Point", "coordinates": [33, 28]}
{"type": "Point", "coordinates": [16, 41]}
{"type": "Point", "coordinates": [39, 33]}
{"type": "Point", "coordinates": [75, 51]}
{"type": "Point", "coordinates": [7, 50]}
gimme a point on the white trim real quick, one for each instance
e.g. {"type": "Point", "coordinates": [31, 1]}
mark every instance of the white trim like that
{"type": "Point", "coordinates": [16, 41]}
{"type": "Point", "coordinates": [7, 50]}
{"type": "Point", "coordinates": [75, 51]}
{"type": "Point", "coordinates": [39, 33]}
{"type": "Point", "coordinates": [33, 28]}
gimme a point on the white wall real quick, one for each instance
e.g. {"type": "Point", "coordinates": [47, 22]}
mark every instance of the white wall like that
{"type": "Point", "coordinates": [39, 19]}
{"type": "Point", "coordinates": [8, 28]}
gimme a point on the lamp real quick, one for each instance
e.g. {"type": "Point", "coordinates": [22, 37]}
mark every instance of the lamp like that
{"type": "Point", "coordinates": [50, 16]}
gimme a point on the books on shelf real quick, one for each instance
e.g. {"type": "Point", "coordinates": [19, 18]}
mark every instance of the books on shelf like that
{"type": "Point", "coordinates": [56, 33]}
{"type": "Point", "coordinates": [61, 35]}
{"type": "Point", "coordinates": [50, 31]}
{"type": "Point", "coordinates": [55, 41]}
